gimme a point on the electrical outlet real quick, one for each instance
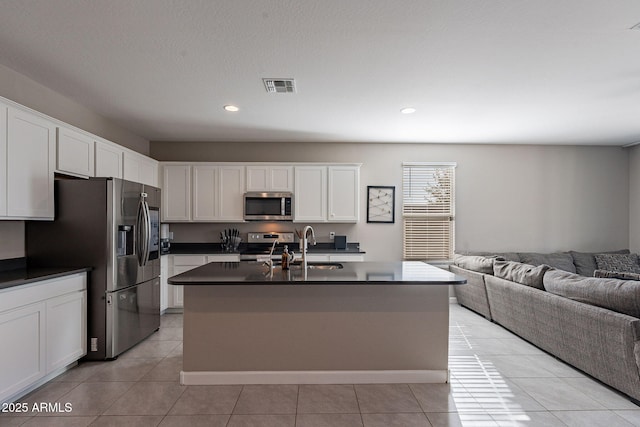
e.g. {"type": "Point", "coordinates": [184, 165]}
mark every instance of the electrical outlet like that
{"type": "Point", "coordinates": [332, 234]}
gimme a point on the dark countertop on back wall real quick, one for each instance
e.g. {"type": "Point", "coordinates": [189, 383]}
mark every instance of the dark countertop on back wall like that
{"type": "Point", "coordinates": [214, 248]}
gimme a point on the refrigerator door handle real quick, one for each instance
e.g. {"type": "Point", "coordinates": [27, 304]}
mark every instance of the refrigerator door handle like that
{"type": "Point", "coordinates": [144, 231]}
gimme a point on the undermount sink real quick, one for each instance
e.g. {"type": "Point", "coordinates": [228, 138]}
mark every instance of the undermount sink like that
{"type": "Point", "coordinates": [324, 266]}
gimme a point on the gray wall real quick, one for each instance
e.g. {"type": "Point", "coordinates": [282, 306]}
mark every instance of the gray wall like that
{"type": "Point", "coordinates": [508, 197]}
{"type": "Point", "coordinates": [634, 199]}
{"type": "Point", "coordinates": [24, 91]}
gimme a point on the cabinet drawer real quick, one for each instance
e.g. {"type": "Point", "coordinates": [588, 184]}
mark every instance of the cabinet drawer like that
{"type": "Point", "coordinates": [194, 260]}
{"type": "Point", "coordinates": [38, 291]}
{"type": "Point", "coordinates": [224, 258]}
{"type": "Point", "coordinates": [346, 258]}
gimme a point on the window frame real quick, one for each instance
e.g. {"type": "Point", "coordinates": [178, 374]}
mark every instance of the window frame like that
{"type": "Point", "coordinates": [434, 220]}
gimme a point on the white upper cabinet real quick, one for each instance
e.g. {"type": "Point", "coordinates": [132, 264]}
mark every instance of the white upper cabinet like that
{"type": "Point", "coordinates": [176, 193]}
{"type": "Point", "coordinates": [3, 159]}
{"type": "Point", "coordinates": [343, 193]}
{"type": "Point", "coordinates": [310, 196]}
{"type": "Point", "coordinates": [108, 162]}
{"type": "Point", "coordinates": [270, 178]}
{"type": "Point", "coordinates": [206, 193]}
{"type": "Point", "coordinates": [140, 168]}
{"type": "Point", "coordinates": [232, 189]}
{"type": "Point", "coordinates": [202, 192]}
{"type": "Point", "coordinates": [75, 153]}
{"type": "Point", "coordinates": [327, 193]}
{"type": "Point", "coordinates": [31, 154]}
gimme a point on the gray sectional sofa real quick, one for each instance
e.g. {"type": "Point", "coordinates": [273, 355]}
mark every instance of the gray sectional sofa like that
{"type": "Point", "coordinates": [554, 302]}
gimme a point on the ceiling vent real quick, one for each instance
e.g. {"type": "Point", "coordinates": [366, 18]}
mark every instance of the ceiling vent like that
{"type": "Point", "coordinates": [280, 85]}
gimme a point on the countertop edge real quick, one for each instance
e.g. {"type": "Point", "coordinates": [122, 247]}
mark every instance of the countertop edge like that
{"type": "Point", "coordinates": [46, 274]}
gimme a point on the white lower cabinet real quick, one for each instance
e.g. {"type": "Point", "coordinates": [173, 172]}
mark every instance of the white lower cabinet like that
{"type": "Point", "coordinates": [42, 329]}
{"type": "Point", "coordinates": [180, 263]}
{"type": "Point", "coordinates": [335, 258]}
{"type": "Point", "coordinates": [66, 332]}
{"type": "Point", "coordinates": [23, 352]}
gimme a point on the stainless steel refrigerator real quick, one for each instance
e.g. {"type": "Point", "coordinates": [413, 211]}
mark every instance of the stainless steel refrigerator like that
{"type": "Point", "coordinates": [112, 226]}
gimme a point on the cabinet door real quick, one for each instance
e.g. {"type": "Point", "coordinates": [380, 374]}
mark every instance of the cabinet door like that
{"type": "Point", "coordinates": [108, 161]}
{"type": "Point", "coordinates": [178, 291]}
{"type": "Point", "coordinates": [281, 178]}
{"type": "Point", "coordinates": [269, 178]}
{"type": "Point", "coordinates": [22, 333]}
{"type": "Point", "coordinates": [344, 193]}
{"type": "Point", "coordinates": [232, 190]}
{"type": "Point", "coordinates": [164, 286]}
{"type": "Point", "coordinates": [176, 193]}
{"type": "Point", "coordinates": [30, 165]}
{"type": "Point", "coordinates": [130, 167]}
{"type": "Point", "coordinates": [75, 153]}
{"type": "Point", "coordinates": [257, 178]}
{"type": "Point", "coordinates": [148, 171]}
{"type": "Point", "coordinates": [3, 159]}
{"type": "Point", "coordinates": [206, 195]}
{"type": "Point", "coordinates": [66, 329]}
{"type": "Point", "coordinates": [310, 196]}
{"type": "Point", "coordinates": [180, 264]}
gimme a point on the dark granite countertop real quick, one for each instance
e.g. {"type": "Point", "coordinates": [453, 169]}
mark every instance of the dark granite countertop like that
{"type": "Point", "coordinates": [23, 275]}
{"type": "Point", "coordinates": [351, 273]}
{"type": "Point", "coordinates": [214, 249]}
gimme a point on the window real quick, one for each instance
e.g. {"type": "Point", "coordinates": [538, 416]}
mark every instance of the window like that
{"type": "Point", "coordinates": [428, 211]}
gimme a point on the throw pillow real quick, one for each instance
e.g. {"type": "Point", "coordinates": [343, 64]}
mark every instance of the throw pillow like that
{"type": "Point", "coordinates": [618, 262]}
{"type": "Point", "coordinates": [524, 274]}
{"type": "Point", "coordinates": [586, 263]}
{"type": "Point", "coordinates": [559, 260]}
{"type": "Point", "coordinates": [616, 275]}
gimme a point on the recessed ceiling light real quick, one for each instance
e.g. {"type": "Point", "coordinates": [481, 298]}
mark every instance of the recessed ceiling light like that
{"type": "Point", "coordinates": [231, 108]}
{"type": "Point", "coordinates": [408, 110]}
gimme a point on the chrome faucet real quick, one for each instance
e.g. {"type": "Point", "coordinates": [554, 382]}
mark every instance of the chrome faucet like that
{"type": "Point", "coordinates": [270, 261]}
{"type": "Point", "coordinates": [304, 244]}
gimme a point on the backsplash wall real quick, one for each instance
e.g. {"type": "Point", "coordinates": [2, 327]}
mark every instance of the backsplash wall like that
{"type": "Point", "coordinates": [12, 239]}
{"type": "Point", "coordinates": [508, 197]}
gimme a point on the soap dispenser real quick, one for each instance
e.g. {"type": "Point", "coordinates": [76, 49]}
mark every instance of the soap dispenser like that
{"type": "Point", "coordinates": [285, 258]}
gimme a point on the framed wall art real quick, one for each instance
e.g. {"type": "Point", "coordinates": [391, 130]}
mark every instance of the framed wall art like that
{"type": "Point", "coordinates": [381, 202]}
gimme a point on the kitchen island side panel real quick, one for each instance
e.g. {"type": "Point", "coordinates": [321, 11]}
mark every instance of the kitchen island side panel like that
{"type": "Point", "coordinates": [315, 328]}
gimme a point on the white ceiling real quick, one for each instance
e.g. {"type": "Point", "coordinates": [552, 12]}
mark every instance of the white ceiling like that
{"type": "Point", "coordinates": [477, 71]}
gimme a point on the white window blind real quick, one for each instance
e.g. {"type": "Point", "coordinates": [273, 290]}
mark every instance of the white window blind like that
{"type": "Point", "coordinates": [428, 211]}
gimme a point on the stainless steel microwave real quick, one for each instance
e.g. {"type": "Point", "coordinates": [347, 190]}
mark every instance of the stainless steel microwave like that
{"type": "Point", "coordinates": [268, 206]}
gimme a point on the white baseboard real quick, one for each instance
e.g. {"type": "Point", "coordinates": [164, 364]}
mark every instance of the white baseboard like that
{"type": "Point", "coordinates": [313, 377]}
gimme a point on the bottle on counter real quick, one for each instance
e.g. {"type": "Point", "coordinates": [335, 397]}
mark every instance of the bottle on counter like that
{"type": "Point", "coordinates": [285, 258]}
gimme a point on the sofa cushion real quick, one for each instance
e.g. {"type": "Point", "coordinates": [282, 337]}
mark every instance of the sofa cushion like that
{"type": "Point", "coordinates": [585, 262]}
{"type": "Point", "coordinates": [559, 260]}
{"type": "Point", "coordinates": [477, 263]}
{"type": "Point", "coordinates": [618, 295]}
{"type": "Point", "coordinates": [508, 256]}
{"type": "Point", "coordinates": [518, 272]}
{"type": "Point", "coordinates": [616, 275]}
{"type": "Point", "coordinates": [618, 262]}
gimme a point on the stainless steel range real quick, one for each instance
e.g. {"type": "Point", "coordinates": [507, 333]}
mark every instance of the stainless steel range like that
{"type": "Point", "coordinates": [259, 244]}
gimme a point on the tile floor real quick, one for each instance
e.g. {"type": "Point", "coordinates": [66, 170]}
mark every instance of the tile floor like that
{"type": "Point", "coordinates": [496, 380]}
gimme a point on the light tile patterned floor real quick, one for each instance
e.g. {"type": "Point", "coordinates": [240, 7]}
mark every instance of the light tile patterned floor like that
{"type": "Point", "coordinates": [497, 379]}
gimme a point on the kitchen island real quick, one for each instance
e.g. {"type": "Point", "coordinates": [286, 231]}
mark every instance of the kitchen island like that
{"type": "Point", "coordinates": [247, 323]}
